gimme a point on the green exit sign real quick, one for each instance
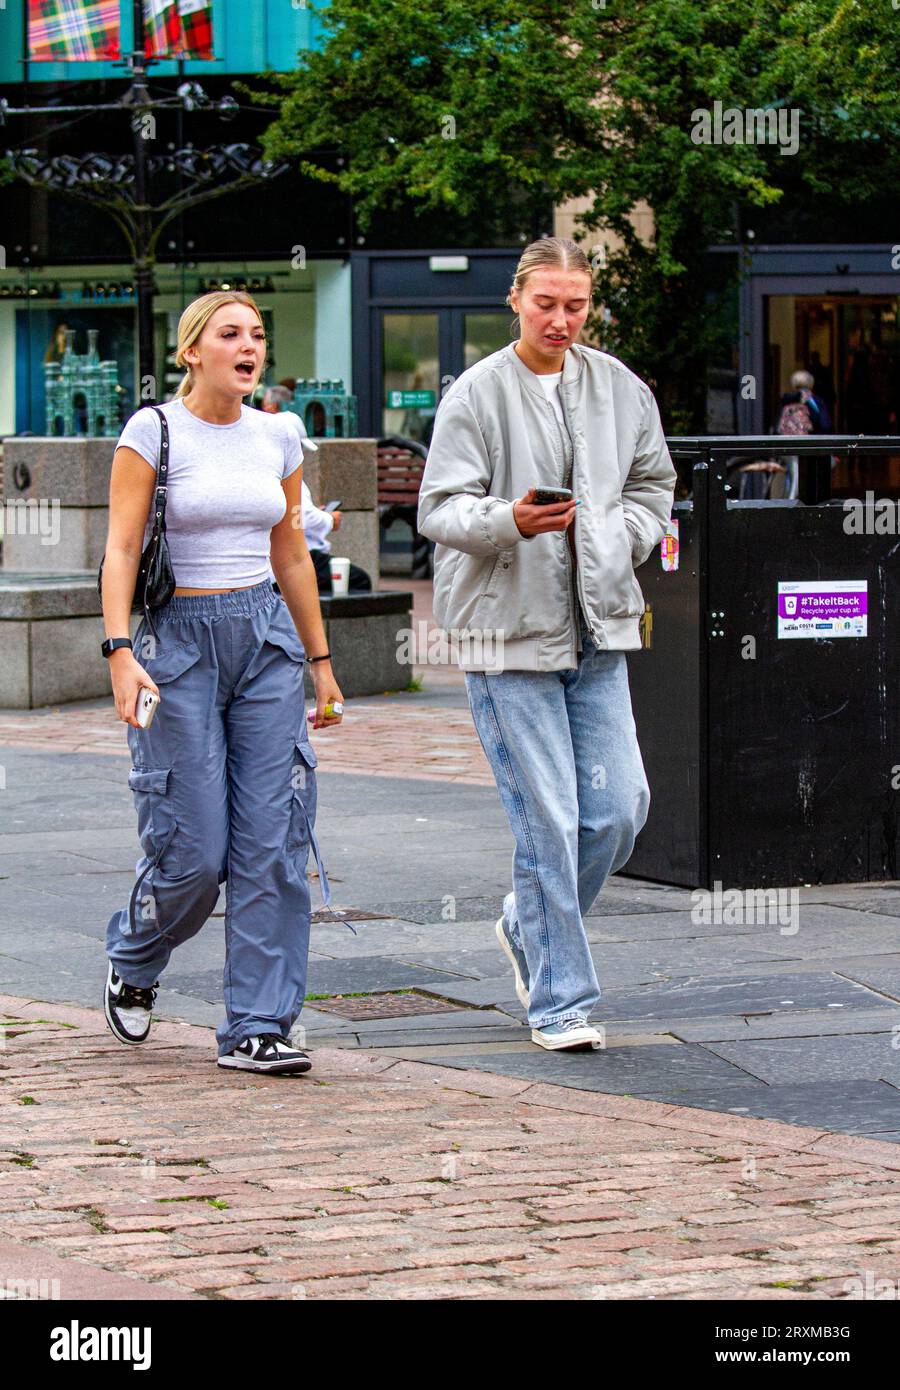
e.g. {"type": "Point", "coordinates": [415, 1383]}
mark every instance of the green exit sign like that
{"type": "Point", "coordinates": [396, 400]}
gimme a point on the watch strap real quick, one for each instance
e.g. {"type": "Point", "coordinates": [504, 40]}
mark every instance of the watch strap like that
{"type": "Point", "coordinates": [111, 644]}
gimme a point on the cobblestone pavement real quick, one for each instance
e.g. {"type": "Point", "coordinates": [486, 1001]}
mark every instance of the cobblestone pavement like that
{"type": "Point", "coordinates": [383, 1178]}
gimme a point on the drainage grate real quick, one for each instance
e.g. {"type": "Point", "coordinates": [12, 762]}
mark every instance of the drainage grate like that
{"type": "Point", "coordinates": [358, 1008]}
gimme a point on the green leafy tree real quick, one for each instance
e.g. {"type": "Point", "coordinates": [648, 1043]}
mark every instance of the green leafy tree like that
{"type": "Point", "coordinates": [487, 112]}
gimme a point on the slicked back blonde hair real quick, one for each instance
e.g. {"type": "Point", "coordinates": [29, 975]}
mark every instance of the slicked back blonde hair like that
{"type": "Point", "coordinates": [193, 321]}
{"type": "Point", "coordinates": [548, 253]}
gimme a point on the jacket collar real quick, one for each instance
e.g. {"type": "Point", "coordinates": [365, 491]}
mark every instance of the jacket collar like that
{"type": "Point", "coordinates": [573, 363]}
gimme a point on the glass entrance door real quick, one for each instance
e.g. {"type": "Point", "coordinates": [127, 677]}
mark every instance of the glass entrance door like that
{"type": "Point", "coordinates": [410, 374]}
{"type": "Point", "coordinates": [422, 354]}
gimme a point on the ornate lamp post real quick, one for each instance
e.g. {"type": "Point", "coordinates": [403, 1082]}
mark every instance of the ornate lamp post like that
{"type": "Point", "coordinates": [118, 183]}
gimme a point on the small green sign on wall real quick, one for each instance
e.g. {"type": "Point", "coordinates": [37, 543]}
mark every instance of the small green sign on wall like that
{"type": "Point", "coordinates": [396, 400]}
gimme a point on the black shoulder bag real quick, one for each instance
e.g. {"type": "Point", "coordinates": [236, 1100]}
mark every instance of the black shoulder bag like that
{"type": "Point", "coordinates": [155, 582]}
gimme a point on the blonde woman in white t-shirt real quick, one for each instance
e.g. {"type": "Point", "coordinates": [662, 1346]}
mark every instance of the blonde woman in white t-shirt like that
{"type": "Point", "coordinates": [223, 777]}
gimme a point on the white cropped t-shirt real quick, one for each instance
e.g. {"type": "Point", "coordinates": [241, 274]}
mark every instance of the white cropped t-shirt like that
{"type": "Point", "coordinates": [225, 492]}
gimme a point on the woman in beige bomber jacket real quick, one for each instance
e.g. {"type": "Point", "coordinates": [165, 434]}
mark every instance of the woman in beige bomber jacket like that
{"type": "Point", "coordinates": [541, 602]}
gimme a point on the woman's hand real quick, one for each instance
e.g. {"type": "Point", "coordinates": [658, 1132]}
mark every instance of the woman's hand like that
{"type": "Point", "coordinates": [532, 520]}
{"type": "Point", "coordinates": [128, 675]}
{"type": "Point", "coordinates": [327, 691]}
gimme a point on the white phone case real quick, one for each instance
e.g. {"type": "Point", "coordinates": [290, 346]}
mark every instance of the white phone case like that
{"type": "Point", "coordinates": [146, 706]}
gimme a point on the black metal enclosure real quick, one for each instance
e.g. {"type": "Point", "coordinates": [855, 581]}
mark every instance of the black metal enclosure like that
{"type": "Point", "coordinates": [773, 760]}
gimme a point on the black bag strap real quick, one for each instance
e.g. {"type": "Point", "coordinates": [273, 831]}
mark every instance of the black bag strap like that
{"type": "Point", "coordinates": [162, 474]}
{"type": "Point", "coordinates": [159, 508]}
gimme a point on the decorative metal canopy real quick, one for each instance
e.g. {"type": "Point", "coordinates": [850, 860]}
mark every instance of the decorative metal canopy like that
{"type": "Point", "coordinates": [117, 183]}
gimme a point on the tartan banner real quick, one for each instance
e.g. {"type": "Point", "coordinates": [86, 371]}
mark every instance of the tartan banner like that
{"type": "Point", "coordinates": [73, 31]}
{"type": "Point", "coordinates": [178, 29]}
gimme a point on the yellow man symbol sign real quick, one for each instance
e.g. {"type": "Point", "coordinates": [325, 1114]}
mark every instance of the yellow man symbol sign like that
{"type": "Point", "coordinates": [646, 626]}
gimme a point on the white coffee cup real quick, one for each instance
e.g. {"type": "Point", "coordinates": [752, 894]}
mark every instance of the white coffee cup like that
{"type": "Point", "coordinates": [340, 574]}
{"type": "Point", "coordinates": [790, 604]}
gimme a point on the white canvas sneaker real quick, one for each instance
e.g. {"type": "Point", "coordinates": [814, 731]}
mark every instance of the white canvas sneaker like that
{"type": "Point", "coordinates": [570, 1035]}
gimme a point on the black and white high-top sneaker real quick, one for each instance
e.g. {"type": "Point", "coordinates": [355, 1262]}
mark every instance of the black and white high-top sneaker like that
{"type": "Point", "coordinates": [269, 1052]}
{"type": "Point", "coordinates": [128, 1008]}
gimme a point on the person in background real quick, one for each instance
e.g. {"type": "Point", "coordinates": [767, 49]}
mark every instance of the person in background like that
{"type": "Point", "coordinates": [802, 412]}
{"type": "Point", "coordinates": [275, 398]}
{"type": "Point", "coordinates": [317, 523]}
{"type": "Point", "coordinates": [56, 348]}
{"type": "Point", "coordinates": [317, 526]}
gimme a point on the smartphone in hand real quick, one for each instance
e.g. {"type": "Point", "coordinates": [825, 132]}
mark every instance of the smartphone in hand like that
{"type": "Point", "coordinates": [146, 707]}
{"type": "Point", "coordinates": [545, 496]}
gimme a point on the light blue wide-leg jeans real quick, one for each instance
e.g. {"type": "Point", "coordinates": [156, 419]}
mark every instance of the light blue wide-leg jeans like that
{"type": "Point", "coordinates": [564, 752]}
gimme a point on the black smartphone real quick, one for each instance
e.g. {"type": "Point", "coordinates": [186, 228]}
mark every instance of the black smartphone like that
{"type": "Point", "coordinates": [544, 496]}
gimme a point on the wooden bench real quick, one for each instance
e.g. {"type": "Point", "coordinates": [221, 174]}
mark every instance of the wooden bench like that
{"type": "Point", "coordinates": [401, 463]}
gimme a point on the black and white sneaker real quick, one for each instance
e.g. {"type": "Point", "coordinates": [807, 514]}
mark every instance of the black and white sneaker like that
{"type": "Point", "coordinates": [128, 1008]}
{"type": "Point", "coordinates": [270, 1052]}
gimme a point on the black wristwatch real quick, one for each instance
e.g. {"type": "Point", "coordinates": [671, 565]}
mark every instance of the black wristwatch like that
{"type": "Point", "coordinates": [112, 643]}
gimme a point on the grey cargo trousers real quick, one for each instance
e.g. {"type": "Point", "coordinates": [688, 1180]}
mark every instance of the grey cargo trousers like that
{"type": "Point", "coordinates": [225, 791]}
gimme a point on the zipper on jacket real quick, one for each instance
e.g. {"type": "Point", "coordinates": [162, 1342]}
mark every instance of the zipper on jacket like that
{"type": "Point", "coordinates": [573, 602]}
{"type": "Point", "coordinates": [584, 607]}
{"type": "Point", "coordinates": [571, 581]}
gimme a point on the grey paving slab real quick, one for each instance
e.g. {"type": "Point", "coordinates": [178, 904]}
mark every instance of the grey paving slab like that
{"type": "Point", "coordinates": [87, 882]}
{"type": "Point", "coordinates": [886, 902]}
{"type": "Point", "coordinates": [851, 1107]}
{"type": "Point", "coordinates": [83, 841]}
{"type": "Point", "coordinates": [171, 1004]}
{"type": "Point", "coordinates": [811, 1023]}
{"type": "Point", "coordinates": [56, 987]}
{"type": "Point", "coordinates": [317, 1022]}
{"type": "Point", "coordinates": [611, 903]}
{"type": "Point", "coordinates": [876, 975]}
{"type": "Point", "coordinates": [82, 959]}
{"type": "Point", "coordinates": [32, 865]}
{"type": "Point", "coordinates": [840, 893]}
{"type": "Point", "coordinates": [481, 993]}
{"type": "Point", "coordinates": [395, 937]}
{"type": "Point", "coordinates": [750, 994]}
{"type": "Point", "coordinates": [780, 1061]}
{"type": "Point", "coordinates": [819, 924]}
{"type": "Point", "coordinates": [640, 961]}
{"type": "Point", "coordinates": [622, 1070]}
{"type": "Point", "coordinates": [433, 910]}
{"type": "Point", "coordinates": [816, 965]}
{"type": "Point", "coordinates": [481, 964]}
{"type": "Point", "coordinates": [669, 925]}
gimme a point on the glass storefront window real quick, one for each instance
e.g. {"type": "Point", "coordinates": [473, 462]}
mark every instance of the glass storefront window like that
{"type": "Point", "coordinates": [410, 387]}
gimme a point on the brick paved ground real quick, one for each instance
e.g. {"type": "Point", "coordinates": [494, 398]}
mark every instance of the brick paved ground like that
{"type": "Point", "coordinates": [378, 737]}
{"type": "Point", "coordinates": [382, 1178]}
